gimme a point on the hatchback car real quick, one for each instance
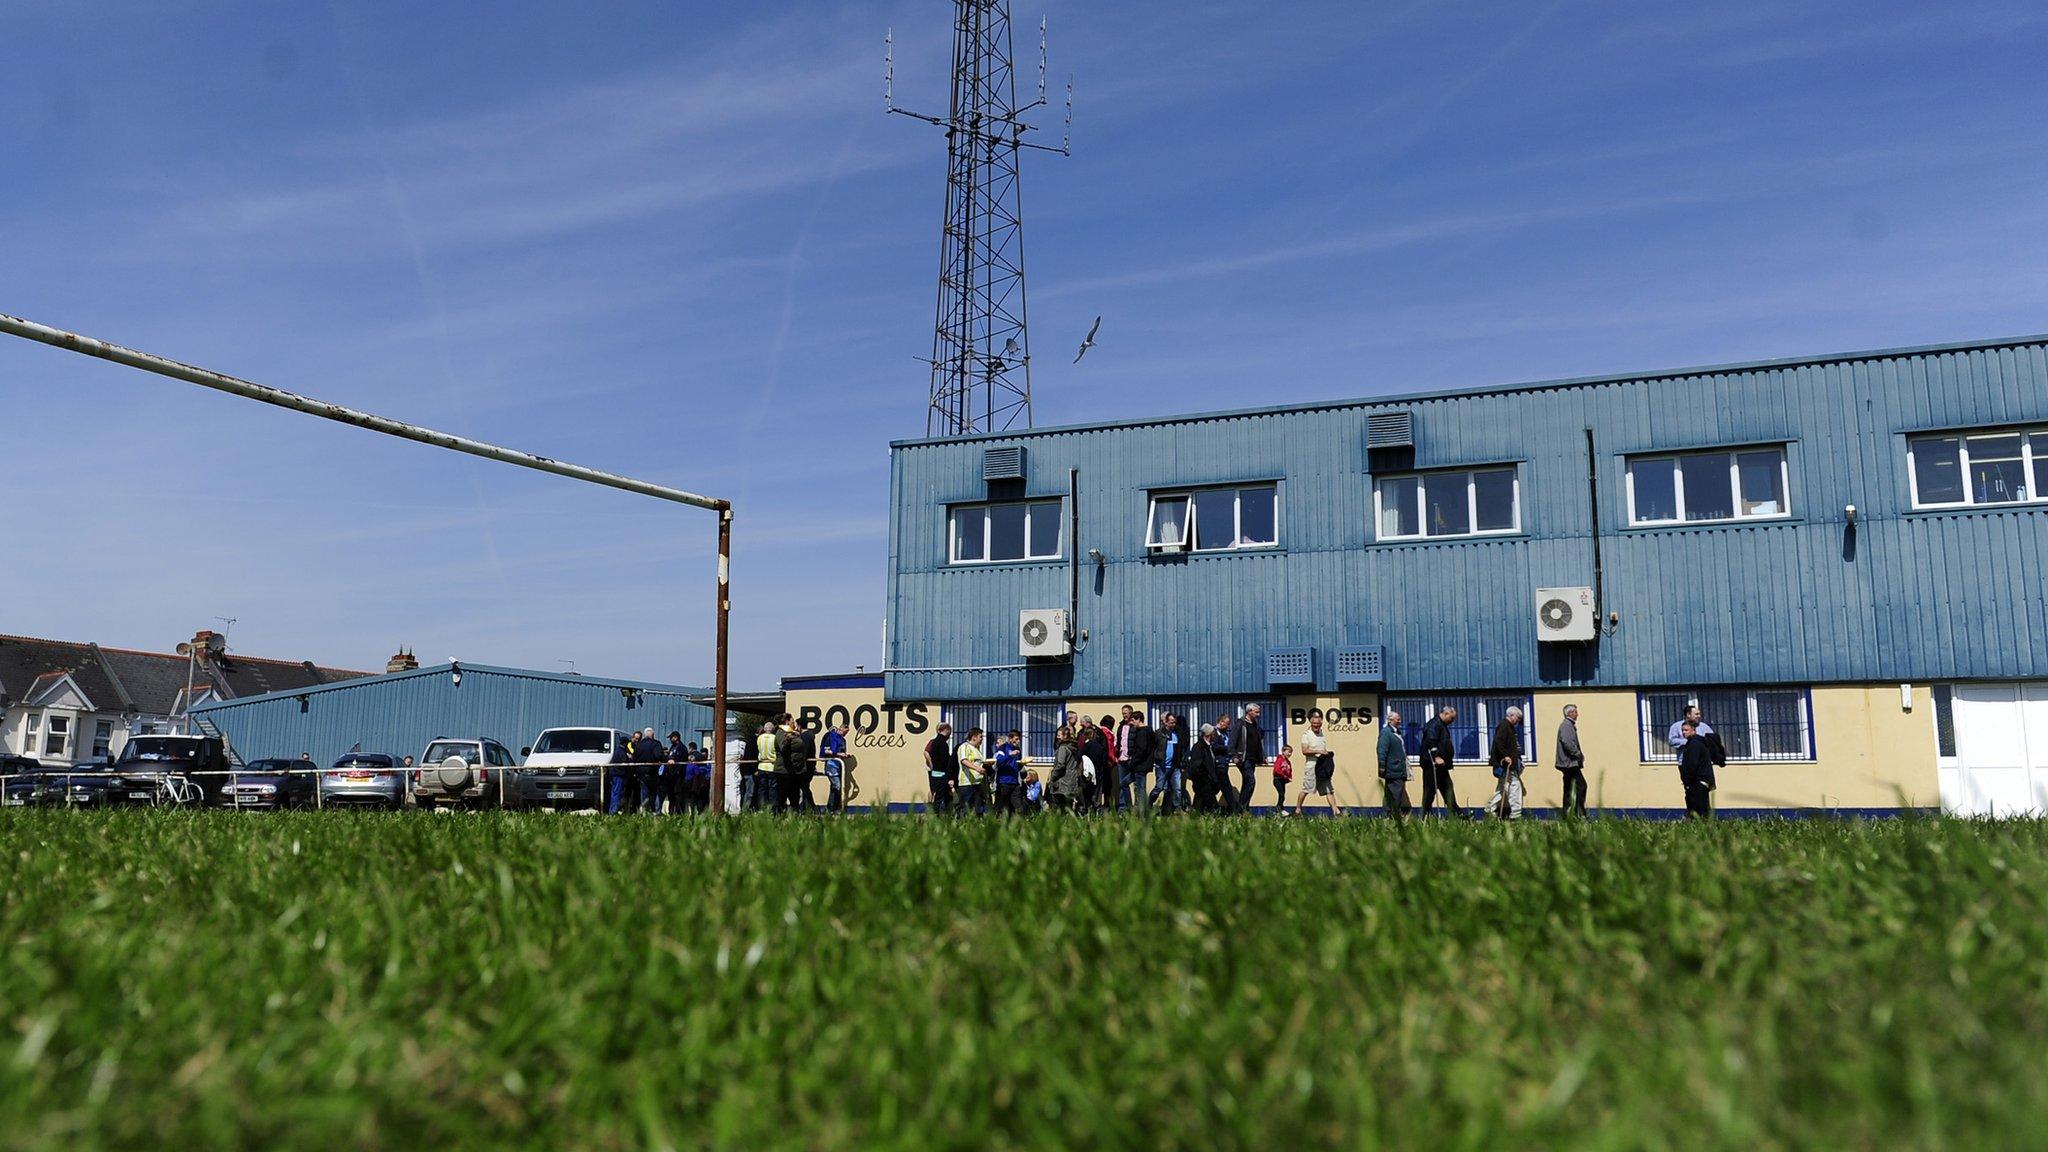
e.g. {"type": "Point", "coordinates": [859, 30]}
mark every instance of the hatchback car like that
{"type": "Point", "coordinates": [463, 772]}
{"type": "Point", "coordinates": [365, 780]}
{"type": "Point", "coordinates": [86, 784]}
{"type": "Point", "coordinates": [270, 784]}
{"type": "Point", "coordinates": [21, 781]}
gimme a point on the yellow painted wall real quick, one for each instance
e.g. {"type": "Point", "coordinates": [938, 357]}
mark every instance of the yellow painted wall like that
{"type": "Point", "coordinates": [1352, 723]}
{"type": "Point", "coordinates": [887, 739]}
{"type": "Point", "coordinates": [1871, 753]}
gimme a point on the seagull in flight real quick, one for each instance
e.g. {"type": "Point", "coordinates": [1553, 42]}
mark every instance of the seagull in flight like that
{"type": "Point", "coordinates": [1088, 341]}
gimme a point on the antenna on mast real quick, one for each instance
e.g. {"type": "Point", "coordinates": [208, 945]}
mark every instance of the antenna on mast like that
{"type": "Point", "coordinates": [981, 344]}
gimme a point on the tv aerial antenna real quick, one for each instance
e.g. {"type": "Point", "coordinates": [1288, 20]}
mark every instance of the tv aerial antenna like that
{"type": "Point", "coordinates": [981, 343]}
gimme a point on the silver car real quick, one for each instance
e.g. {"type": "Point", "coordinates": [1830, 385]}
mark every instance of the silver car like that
{"type": "Point", "coordinates": [364, 779]}
{"type": "Point", "coordinates": [465, 772]}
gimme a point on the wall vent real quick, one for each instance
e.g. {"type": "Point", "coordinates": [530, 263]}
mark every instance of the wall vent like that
{"type": "Point", "coordinates": [1390, 430]}
{"type": "Point", "coordinates": [1362, 664]}
{"type": "Point", "coordinates": [1290, 665]}
{"type": "Point", "coordinates": [1003, 463]}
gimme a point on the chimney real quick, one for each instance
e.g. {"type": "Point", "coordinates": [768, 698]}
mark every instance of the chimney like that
{"type": "Point", "coordinates": [207, 644]}
{"type": "Point", "coordinates": [404, 661]}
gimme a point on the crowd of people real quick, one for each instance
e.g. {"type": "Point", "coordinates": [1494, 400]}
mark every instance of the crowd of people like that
{"type": "Point", "coordinates": [651, 776]}
{"type": "Point", "coordinates": [1122, 763]}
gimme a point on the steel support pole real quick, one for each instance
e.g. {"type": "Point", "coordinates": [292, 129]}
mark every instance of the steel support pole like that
{"type": "Point", "coordinates": [718, 765]}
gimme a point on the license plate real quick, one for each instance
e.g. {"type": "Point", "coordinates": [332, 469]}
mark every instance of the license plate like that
{"type": "Point", "coordinates": [140, 795]}
{"type": "Point", "coordinates": [561, 795]}
{"type": "Point", "coordinates": [357, 776]}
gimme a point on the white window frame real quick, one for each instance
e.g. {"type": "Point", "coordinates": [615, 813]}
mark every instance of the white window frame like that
{"type": "Point", "coordinates": [1734, 455]}
{"type": "Point", "coordinates": [1422, 482]}
{"type": "Point", "coordinates": [62, 735]}
{"type": "Point", "coordinates": [1656, 749]}
{"type": "Point", "coordinates": [2031, 466]}
{"type": "Point", "coordinates": [1056, 504]}
{"type": "Point", "coordinates": [1190, 530]}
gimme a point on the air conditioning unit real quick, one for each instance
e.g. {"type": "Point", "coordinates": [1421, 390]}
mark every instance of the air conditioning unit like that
{"type": "Point", "coordinates": [1042, 632]}
{"type": "Point", "coordinates": [1566, 614]}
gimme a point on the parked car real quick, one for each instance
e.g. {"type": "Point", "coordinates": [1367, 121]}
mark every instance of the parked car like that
{"type": "Point", "coordinates": [270, 784]}
{"type": "Point", "coordinates": [23, 777]}
{"type": "Point", "coordinates": [568, 767]}
{"type": "Point", "coordinates": [85, 784]}
{"type": "Point", "coordinates": [364, 779]}
{"type": "Point", "coordinates": [161, 770]}
{"type": "Point", "coordinates": [465, 772]}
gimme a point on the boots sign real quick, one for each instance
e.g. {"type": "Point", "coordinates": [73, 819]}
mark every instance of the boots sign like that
{"type": "Point", "coordinates": [885, 725]}
{"type": "Point", "coordinates": [1340, 719]}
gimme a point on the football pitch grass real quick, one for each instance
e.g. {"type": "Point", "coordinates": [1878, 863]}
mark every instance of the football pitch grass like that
{"type": "Point", "coordinates": [326, 980]}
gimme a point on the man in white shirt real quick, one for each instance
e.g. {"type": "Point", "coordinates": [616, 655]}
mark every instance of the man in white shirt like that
{"type": "Point", "coordinates": [1676, 738]}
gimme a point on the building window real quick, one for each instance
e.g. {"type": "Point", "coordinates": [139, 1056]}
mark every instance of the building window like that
{"type": "Point", "coordinates": [998, 533]}
{"type": "Point", "coordinates": [1945, 721]}
{"type": "Point", "coordinates": [57, 739]}
{"type": "Point", "coordinates": [1957, 471]}
{"type": "Point", "coordinates": [1433, 504]}
{"type": "Point", "coordinates": [102, 739]}
{"type": "Point", "coordinates": [1214, 519]}
{"type": "Point", "coordinates": [35, 725]}
{"type": "Point", "coordinates": [1039, 722]}
{"type": "Point", "coordinates": [1767, 724]}
{"type": "Point", "coordinates": [1472, 731]}
{"type": "Point", "coordinates": [1195, 713]}
{"type": "Point", "coordinates": [1705, 487]}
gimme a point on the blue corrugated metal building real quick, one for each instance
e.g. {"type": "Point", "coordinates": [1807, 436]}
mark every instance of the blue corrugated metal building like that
{"type": "Point", "coordinates": [401, 712]}
{"type": "Point", "coordinates": [1364, 552]}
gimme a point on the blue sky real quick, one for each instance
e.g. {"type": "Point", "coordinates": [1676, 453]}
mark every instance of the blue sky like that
{"type": "Point", "coordinates": [682, 240]}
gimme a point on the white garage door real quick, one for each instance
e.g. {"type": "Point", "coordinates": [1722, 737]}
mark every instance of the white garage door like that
{"type": "Point", "coordinates": [2001, 751]}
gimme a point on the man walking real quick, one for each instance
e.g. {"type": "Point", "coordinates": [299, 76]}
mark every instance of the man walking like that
{"type": "Point", "coordinates": [1506, 754]}
{"type": "Point", "coordinates": [1166, 794]}
{"type": "Point", "coordinates": [940, 767]}
{"type": "Point", "coordinates": [1140, 748]}
{"type": "Point", "coordinates": [1571, 762]}
{"type": "Point", "coordinates": [1318, 768]}
{"type": "Point", "coordinates": [1697, 755]}
{"type": "Point", "coordinates": [834, 751]}
{"type": "Point", "coordinates": [973, 775]}
{"type": "Point", "coordinates": [1203, 769]}
{"type": "Point", "coordinates": [794, 752]}
{"type": "Point", "coordinates": [1249, 750]}
{"type": "Point", "coordinates": [1439, 751]}
{"type": "Point", "coordinates": [1393, 757]}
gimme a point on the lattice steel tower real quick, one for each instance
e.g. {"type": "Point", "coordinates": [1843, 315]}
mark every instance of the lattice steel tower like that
{"type": "Point", "coordinates": [981, 345]}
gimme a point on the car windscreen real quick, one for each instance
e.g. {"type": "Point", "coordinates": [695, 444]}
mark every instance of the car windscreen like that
{"type": "Point", "coordinates": [160, 748]}
{"type": "Point", "coordinates": [588, 741]}
{"type": "Point", "coordinates": [440, 750]}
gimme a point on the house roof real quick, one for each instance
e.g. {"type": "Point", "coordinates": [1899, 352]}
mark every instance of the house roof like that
{"type": "Point", "coordinates": [148, 683]}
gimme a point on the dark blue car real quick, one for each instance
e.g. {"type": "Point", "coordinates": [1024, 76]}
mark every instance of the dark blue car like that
{"type": "Point", "coordinates": [267, 785]}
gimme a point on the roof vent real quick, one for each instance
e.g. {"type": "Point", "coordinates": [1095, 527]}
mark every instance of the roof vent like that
{"type": "Point", "coordinates": [1362, 664]}
{"type": "Point", "coordinates": [1290, 665]}
{"type": "Point", "coordinates": [1390, 430]}
{"type": "Point", "coordinates": [1003, 463]}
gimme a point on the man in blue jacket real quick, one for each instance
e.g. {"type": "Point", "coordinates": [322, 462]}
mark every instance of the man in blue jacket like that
{"type": "Point", "coordinates": [833, 749]}
{"type": "Point", "coordinates": [1009, 774]}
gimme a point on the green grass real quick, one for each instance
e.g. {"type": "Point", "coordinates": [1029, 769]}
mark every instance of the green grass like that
{"type": "Point", "coordinates": [324, 980]}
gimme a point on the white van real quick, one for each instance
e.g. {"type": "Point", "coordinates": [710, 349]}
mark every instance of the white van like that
{"type": "Point", "coordinates": [569, 767]}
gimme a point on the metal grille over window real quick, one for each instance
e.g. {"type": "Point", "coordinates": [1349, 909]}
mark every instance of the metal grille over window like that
{"type": "Point", "coordinates": [1039, 722]}
{"type": "Point", "coordinates": [1944, 721]}
{"type": "Point", "coordinates": [1754, 724]}
{"type": "Point", "coordinates": [1472, 731]}
{"type": "Point", "coordinates": [1194, 713]}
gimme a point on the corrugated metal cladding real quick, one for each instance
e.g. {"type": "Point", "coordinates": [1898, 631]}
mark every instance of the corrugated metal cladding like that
{"type": "Point", "coordinates": [400, 713]}
{"type": "Point", "coordinates": [1901, 595]}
